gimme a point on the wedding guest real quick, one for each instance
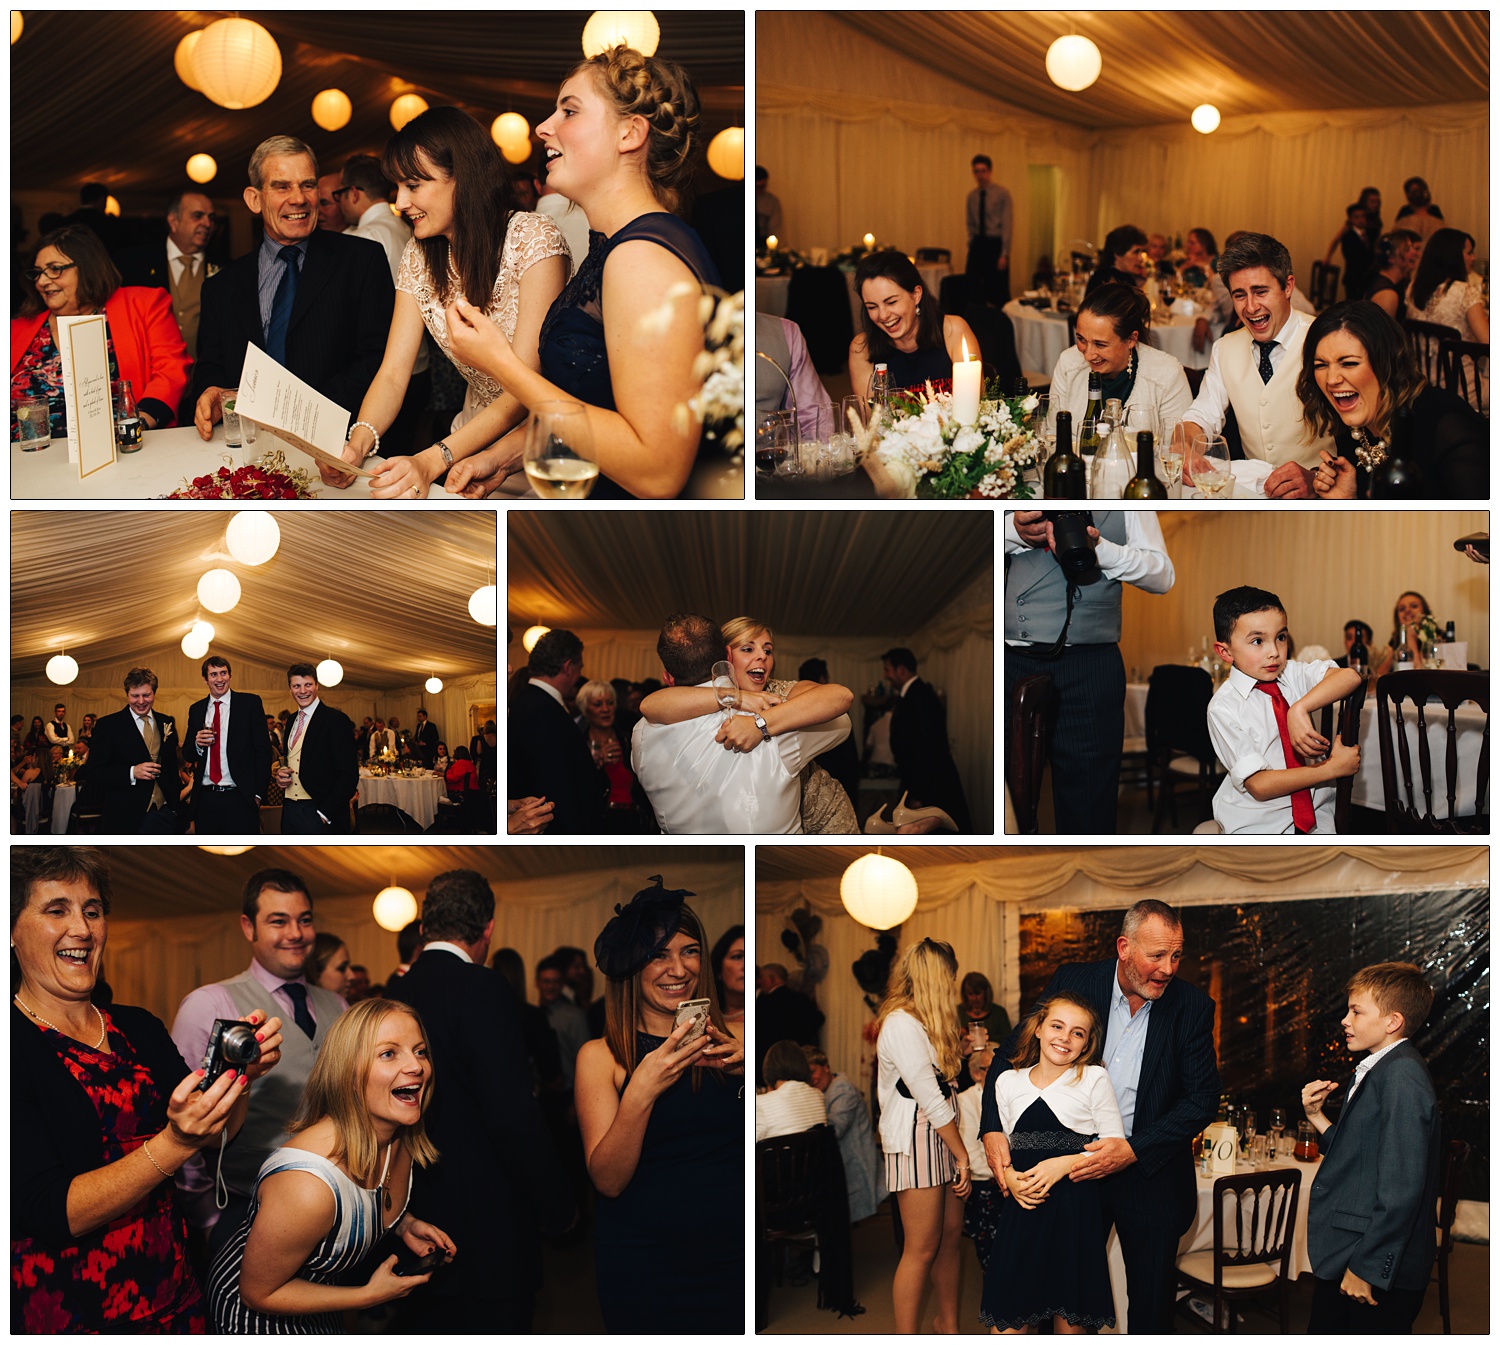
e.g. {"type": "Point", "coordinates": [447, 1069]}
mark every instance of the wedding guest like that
{"type": "Point", "coordinates": [566, 1020]}
{"type": "Point", "coordinates": [728, 962]}
{"type": "Point", "coordinates": [36, 736]}
{"type": "Point", "coordinates": [59, 733]}
{"type": "Point", "coordinates": [627, 810]}
{"type": "Point", "coordinates": [548, 758]}
{"type": "Point", "coordinates": [767, 209]}
{"type": "Point", "coordinates": [330, 216]}
{"type": "Point", "coordinates": [424, 739]}
{"type": "Point", "coordinates": [134, 763]}
{"type": "Point", "coordinates": [1406, 622]}
{"type": "Point", "coordinates": [178, 263]}
{"type": "Point", "coordinates": [1355, 629]}
{"type": "Point", "coordinates": [321, 771]}
{"type": "Point", "coordinates": [1369, 199]}
{"type": "Point", "coordinates": [982, 1208]}
{"type": "Point", "coordinates": [228, 751]}
{"type": "Point", "coordinates": [470, 241]}
{"type": "Point", "coordinates": [849, 1115]}
{"type": "Point", "coordinates": [1396, 255]}
{"type": "Point", "coordinates": [328, 965]}
{"type": "Point", "coordinates": [902, 327]}
{"type": "Point", "coordinates": [442, 761]}
{"type": "Point", "coordinates": [1356, 241]}
{"type": "Point", "coordinates": [72, 276]}
{"type": "Point", "coordinates": [1359, 382]}
{"type": "Point", "coordinates": [1419, 212]}
{"type": "Point", "coordinates": [977, 1009]}
{"type": "Point", "coordinates": [1122, 259]}
{"type": "Point", "coordinates": [86, 728]}
{"type": "Point", "coordinates": [1441, 292]}
{"type": "Point", "coordinates": [919, 740]}
{"type": "Point", "coordinates": [791, 1104]}
{"type": "Point", "coordinates": [794, 379]}
{"type": "Point", "coordinates": [624, 335]}
{"type": "Point", "coordinates": [783, 1013]}
{"type": "Point", "coordinates": [988, 217]}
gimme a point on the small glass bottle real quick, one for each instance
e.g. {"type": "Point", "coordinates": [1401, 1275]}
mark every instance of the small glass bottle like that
{"type": "Point", "coordinates": [1112, 468]}
{"type": "Point", "coordinates": [880, 396]}
{"type": "Point", "coordinates": [129, 431]}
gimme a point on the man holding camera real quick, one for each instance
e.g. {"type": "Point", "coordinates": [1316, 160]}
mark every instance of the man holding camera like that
{"type": "Point", "coordinates": [1063, 577]}
{"type": "Point", "coordinates": [277, 920]}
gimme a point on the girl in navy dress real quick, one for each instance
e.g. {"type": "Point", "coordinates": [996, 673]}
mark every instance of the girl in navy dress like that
{"type": "Point", "coordinates": [1048, 1258]}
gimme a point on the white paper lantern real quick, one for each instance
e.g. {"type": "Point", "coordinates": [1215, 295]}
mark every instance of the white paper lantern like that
{"type": "Point", "coordinates": [533, 634]}
{"type": "Point", "coordinates": [406, 107]}
{"type": "Point", "coordinates": [395, 909]}
{"type": "Point", "coordinates": [433, 685]}
{"type": "Point", "coordinates": [16, 24]}
{"type": "Point", "coordinates": [606, 28]}
{"type": "Point", "coordinates": [878, 891]}
{"type": "Point", "coordinates": [237, 63]}
{"type": "Point", "coordinates": [202, 630]}
{"type": "Point", "coordinates": [1205, 118]}
{"type": "Point", "coordinates": [1073, 63]}
{"type": "Point", "coordinates": [182, 60]}
{"type": "Point", "coordinates": [219, 591]}
{"type": "Point", "coordinates": [62, 669]}
{"type": "Point", "coordinates": [512, 132]}
{"type": "Point", "coordinates": [330, 672]}
{"type": "Point", "coordinates": [482, 605]}
{"type": "Point", "coordinates": [202, 168]}
{"type": "Point", "coordinates": [726, 153]}
{"type": "Point", "coordinates": [226, 849]}
{"type": "Point", "coordinates": [331, 109]}
{"type": "Point", "coordinates": [194, 646]}
{"type": "Point", "coordinates": [112, 206]}
{"type": "Point", "coordinates": [252, 536]}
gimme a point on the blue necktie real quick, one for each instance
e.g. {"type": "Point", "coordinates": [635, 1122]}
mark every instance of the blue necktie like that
{"type": "Point", "coordinates": [1265, 358]}
{"type": "Point", "coordinates": [300, 1015]}
{"type": "Point", "coordinates": [281, 305]}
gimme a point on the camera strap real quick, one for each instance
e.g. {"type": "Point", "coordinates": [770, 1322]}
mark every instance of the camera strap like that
{"type": "Point", "coordinates": [1055, 650]}
{"type": "Point", "coordinates": [221, 1190]}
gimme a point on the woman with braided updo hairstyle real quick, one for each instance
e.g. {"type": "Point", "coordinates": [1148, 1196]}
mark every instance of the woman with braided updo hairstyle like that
{"type": "Point", "coordinates": [623, 336]}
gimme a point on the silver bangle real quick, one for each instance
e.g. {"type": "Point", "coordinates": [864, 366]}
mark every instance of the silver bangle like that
{"type": "Point", "coordinates": [446, 452]}
{"type": "Point", "coordinates": [373, 431]}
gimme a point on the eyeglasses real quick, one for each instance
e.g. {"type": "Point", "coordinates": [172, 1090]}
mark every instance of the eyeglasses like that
{"type": "Point", "coordinates": [338, 193]}
{"type": "Point", "coordinates": [52, 270]}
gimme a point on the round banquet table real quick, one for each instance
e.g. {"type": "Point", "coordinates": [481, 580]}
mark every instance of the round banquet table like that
{"type": "Point", "coordinates": [169, 459]}
{"type": "Point", "coordinates": [1042, 336]}
{"type": "Point", "coordinates": [63, 798]}
{"type": "Point", "coordinates": [417, 795]}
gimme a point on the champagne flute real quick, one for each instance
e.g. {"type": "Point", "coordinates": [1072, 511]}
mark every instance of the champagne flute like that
{"type": "Point", "coordinates": [560, 460]}
{"type": "Point", "coordinates": [1170, 454]}
{"type": "Point", "coordinates": [725, 690]}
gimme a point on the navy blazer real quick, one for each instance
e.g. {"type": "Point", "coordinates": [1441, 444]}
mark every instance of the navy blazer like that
{"type": "Point", "coordinates": [919, 742]}
{"type": "Point", "coordinates": [248, 749]}
{"type": "Point", "coordinates": [339, 323]}
{"type": "Point", "coordinates": [549, 758]}
{"type": "Point", "coordinates": [117, 743]}
{"type": "Point", "coordinates": [1373, 1208]}
{"type": "Point", "coordinates": [1178, 1091]}
{"type": "Point", "coordinates": [329, 764]}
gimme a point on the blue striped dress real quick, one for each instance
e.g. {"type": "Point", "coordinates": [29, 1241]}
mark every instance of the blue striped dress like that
{"type": "Point", "coordinates": [357, 1227]}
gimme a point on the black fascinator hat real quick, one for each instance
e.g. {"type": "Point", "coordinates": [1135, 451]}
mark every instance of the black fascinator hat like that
{"type": "Point", "coordinates": [639, 930]}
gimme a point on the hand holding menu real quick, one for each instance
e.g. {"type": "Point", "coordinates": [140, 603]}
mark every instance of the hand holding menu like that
{"type": "Point", "coordinates": [281, 403]}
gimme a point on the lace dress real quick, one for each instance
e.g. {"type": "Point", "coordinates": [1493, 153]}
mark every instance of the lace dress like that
{"type": "Point", "coordinates": [826, 809]}
{"type": "Point", "coordinates": [1449, 307]}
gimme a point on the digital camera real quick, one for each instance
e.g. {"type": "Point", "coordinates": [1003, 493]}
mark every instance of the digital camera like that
{"type": "Point", "coordinates": [1072, 547]}
{"type": "Point", "coordinates": [231, 1045]}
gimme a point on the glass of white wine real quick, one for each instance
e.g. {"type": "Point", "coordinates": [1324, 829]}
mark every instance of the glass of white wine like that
{"type": "Point", "coordinates": [1171, 450]}
{"type": "Point", "coordinates": [1211, 470]}
{"type": "Point", "coordinates": [725, 690]}
{"type": "Point", "coordinates": [560, 460]}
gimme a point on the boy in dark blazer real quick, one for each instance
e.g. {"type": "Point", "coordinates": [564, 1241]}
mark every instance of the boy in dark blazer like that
{"type": "Point", "coordinates": [133, 763]}
{"type": "Point", "coordinates": [1371, 1217]}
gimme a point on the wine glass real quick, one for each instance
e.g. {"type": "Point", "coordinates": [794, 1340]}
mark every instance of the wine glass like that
{"type": "Point", "coordinates": [773, 437]}
{"type": "Point", "coordinates": [560, 460]}
{"type": "Point", "coordinates": [1278, 1124]}
{"type": "Point", "coordinates": [1211, 472]}
{"type": "Point", "coordinates": [725, 690]}
{"type": "Point", "coordinates": [1252, 1128]}
{"type": "Point", "coordinates": [1171, 450]}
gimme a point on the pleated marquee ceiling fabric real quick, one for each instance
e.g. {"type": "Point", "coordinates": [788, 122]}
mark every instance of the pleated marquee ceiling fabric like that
{"type": "Point", "coordinates": [826, 574]}
{"type": "Point", "coordinates": [94, 95]}
{"type": "Point", "coordinates": [386, 593]}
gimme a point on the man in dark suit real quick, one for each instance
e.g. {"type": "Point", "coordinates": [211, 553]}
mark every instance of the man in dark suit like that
{"type": "Point", "coordinates": [500, 1187]}
{"type": "Point", "coordinates": [1370, 1225]}
{"type": "Point", "coordinates": [178, 264]}
{"type": "Point", "coordinates": [548, 757]}
{"type": "Point", "coordinates": [424, 740]}
{"type": "Point", "coordinates": [782, 1014]}
{"type": "Point", "coordinates": [133, 763]}
{"type": "Point", "coordinates": [1159, 1052]}
{"type": "Point", "coordinates": [919, 740]}
{"type": "Point", "coordinates": [318, 303]}
{"type": "Point", "coordinates": [230, 752]}
{"type": "Point", "coordinates": [322, 768]}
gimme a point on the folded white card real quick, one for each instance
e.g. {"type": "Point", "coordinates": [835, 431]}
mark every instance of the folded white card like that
{"type": "Point", "coordinates": [280, 402]}
{"type": "Point", "coordinates": [83, 351]}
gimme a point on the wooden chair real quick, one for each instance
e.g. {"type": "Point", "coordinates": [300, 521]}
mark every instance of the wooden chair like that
{"type": "Point", "coordinates": [930, 256]}
{"type": "Point", "coordinates": [801, 1197]}
{"type": "Point", "coordinates": [1255, 1214]}
{"type": "Point", "coordinates": [1324, 286]}
{"type": "Point", "coordinates": [1026, 748]}
{"type": "Point", "coordinates": [1454, 1163]}
{"type": "Point", "coordinates": [1463, 368]}
{"type": "Point", "coordinates": [1425, 340]}
{"type": "Point", "coordinates": [1177, 737]}
{"type": "Point", "coordinates": [1452, 689]}
{"type": "Point", "coordinates": [1350, 709]}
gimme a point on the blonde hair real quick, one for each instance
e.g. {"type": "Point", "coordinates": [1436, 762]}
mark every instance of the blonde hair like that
{"type": "Point", "coordinates": [1029, 1047]}
{"type": "Point", "coordinates": [661, 93]}
{"type": "Point", "coordinates": [924, 982]}
{"type": "Point", "coordinates": [336, 1089]}
{"type": "Point", "coordinates": [741, 627]}
{"type": "Point", "coordinates": [590, 692]}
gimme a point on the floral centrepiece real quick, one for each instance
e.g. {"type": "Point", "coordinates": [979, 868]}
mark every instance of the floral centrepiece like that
{"type": "Point", "coordinates": [269, 477]}
{"type": "Point", "coordinates": [926, 454]}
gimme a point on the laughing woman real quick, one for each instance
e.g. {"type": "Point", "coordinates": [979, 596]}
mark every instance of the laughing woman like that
{"type": "Point", "coordinates": [326, 1197]}
{"type": "Point", "coordinates": [623, 337]}
{"type": "Point", "coordinates": [914, 344]}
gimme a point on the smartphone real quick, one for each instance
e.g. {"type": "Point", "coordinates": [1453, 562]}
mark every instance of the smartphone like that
{"type": "Point", "coordinates": [697, 1011]}
{"type": "Point", "coordinates": [409, 1263]}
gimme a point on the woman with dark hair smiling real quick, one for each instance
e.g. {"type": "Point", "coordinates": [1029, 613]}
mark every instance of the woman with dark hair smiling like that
{"type": "Point", "coordinates": [1358, 375]}
{"type": "Point", "coordinates": [1122, 259]}
{"type": "Point", "coordinates": [902, 327]}
{"type": "Point", "coordinates": [728, 962]}
{"type": "Point", "coordinates": [1441, 292]}
{"type": "Point", "coordinates": [471, 240]}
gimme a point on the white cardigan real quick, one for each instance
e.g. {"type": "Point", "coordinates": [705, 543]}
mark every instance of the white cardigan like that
{"type": "Point", "coordinates": [1086, 1106]}
{"type": "Point", "coordinates": [1160, 397]}
{"type": "Point", "coordinates": [905, 1054]}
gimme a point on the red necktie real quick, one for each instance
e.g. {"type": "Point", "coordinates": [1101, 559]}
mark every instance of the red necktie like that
{"type": "Point", "coordinates": [1302, 805]}
{"type": "Point", "coordinates": [214, 771]}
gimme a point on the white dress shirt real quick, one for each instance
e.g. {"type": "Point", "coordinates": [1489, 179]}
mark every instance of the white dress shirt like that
{"type": "Point", "coordinates": [905, 1054]}
{"type": "Point", "coordinates": [970, 1107]}
{"type": "Point", "coordinates": [1085, 1106]}
{"type": "Point", "coordinates": [178, 260]}
{"type": "Point", "coordinates": [699, 787]}
{"type": "Point", "coordinates": [1365, 1066]}
{"type": "Point", "coordinates": [447, 947]}
{"type": "Point", "coordinates": [789, 1109]}
{"type": "Point", "coordinates": [225, 778]}
{"type": "Point", "coordinates": [1210, 408]}
{"type": "Point", "coordinates": [1242, 725]}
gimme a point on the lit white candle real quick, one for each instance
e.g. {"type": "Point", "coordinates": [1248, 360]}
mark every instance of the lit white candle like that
{"type": "Point", "coordinates": [771, 242]}
{"type": "Point", "coordinates": [869, 241]}
{"type": "Point", "coordinates": [968, 377]}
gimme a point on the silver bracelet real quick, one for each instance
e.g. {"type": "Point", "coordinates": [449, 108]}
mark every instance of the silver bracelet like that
{"type": "Point", "coordinates": [446, 452]}
{"type": "Point", "coordinates": [373, 431]}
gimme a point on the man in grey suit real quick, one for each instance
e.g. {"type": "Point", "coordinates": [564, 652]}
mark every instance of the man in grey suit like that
{"type": "Point", "coordinates": [1370, 1218]}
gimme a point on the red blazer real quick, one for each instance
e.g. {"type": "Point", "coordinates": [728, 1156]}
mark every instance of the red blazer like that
{"type": "Point", "coordinates": [148, 347]}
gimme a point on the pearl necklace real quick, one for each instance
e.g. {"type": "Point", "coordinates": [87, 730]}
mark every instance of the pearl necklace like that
{"type": "Point", "coordinates": [103, 1032]}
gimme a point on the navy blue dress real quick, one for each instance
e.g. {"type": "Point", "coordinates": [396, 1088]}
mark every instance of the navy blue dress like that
{"type": "Point", "coordinates": [913, 370]}
{"type": "Point", "coordinates": [1050, 1260]}
{"type": "Point", "coordinates": [652, 1278]}
{"type": "Point", "coordinates": [572, 347]}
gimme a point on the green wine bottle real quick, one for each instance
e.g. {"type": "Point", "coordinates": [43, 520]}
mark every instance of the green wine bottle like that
{"type": "Point", "coordinates": [1088, 436]}
{"type": "Point", "coordinates": [1144, 485]}
{"type": "Point", "coordinates": [1066, 477]}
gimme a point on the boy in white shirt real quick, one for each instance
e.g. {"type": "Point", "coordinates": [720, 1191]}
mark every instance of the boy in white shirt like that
{"type": "Point", "coordinates": [1281, 769]}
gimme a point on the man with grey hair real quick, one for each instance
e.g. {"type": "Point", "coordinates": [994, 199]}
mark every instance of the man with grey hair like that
{"type": "Point", "coordinates": [1255, 369]}
{"type": "Point", "coordinates": [319, 303]}
{"type": "Point", "coordinates": [1158, 1040]}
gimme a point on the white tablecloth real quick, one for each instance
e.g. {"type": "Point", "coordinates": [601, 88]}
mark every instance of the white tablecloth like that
{"type": "Point", "coordinates": [1042, 335]}
{"type": "Point", "coordinates": [1135, 709]}
{"type": "Point", "coordinates": [417, 795]}
{"type": "Point", "coordinates": [168, 459]}
{"type": "Point", "coordinates": [1200, 1237]}
{"type": "Point", "coordinates": [1369, 788]}
{"type": "Point", "coordinates": [63, 799]}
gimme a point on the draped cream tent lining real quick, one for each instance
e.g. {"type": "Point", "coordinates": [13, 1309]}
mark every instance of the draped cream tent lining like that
{"type": "Point", "coordinates": [843, 586]}
{"type": "Point", "coordinates": [849, 103]}
{"type": "Point", "coordinates": [972, 897]}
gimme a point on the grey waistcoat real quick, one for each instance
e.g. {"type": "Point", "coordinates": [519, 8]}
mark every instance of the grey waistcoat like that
{"type": "Point", "coordinates": [1036, 593]}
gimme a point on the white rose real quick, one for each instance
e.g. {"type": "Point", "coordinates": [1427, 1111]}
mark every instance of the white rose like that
{"type": "Point", "coordinates": [1029, 404]}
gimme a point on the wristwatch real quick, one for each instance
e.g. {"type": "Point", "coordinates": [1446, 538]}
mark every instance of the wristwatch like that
{"type": "Point", "coordinates": [446, 452]}
{"type": "Point", "coordinates": [760, 723]}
